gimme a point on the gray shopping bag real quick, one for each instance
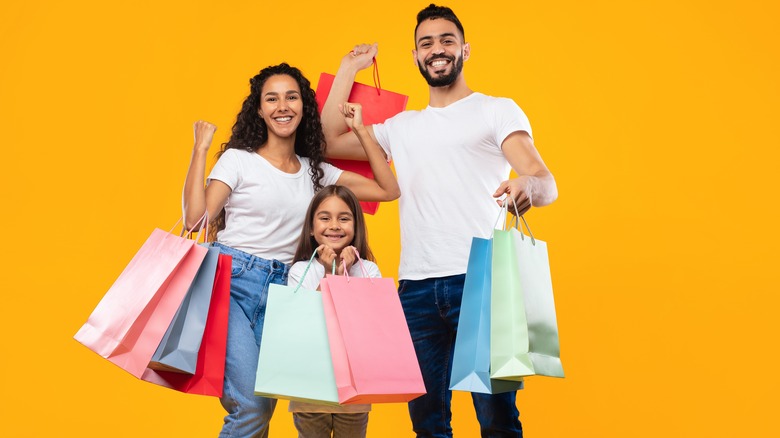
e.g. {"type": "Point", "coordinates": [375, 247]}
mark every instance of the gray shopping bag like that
{"type": "Point", "coordinates": [178, 350]}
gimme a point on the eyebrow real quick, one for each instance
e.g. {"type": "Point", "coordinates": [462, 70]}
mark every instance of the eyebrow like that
{"type": "Point", "coordinates": [430, 37]}
{"type": "Point", "coordinates": [274, 93]}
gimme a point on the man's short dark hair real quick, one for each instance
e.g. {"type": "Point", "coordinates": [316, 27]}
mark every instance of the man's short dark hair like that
{"type": "Point", "coordinates": [433, 12]}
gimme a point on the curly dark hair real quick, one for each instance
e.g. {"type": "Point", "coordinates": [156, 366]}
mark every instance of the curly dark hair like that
{"type": "Point", "coordinates": [250, 132]}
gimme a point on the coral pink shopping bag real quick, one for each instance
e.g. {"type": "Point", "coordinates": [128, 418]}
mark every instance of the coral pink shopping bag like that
{"type": "Point", "coordinates": [373, 356]}
{"type": "Point", "coordinates": [128, 323]}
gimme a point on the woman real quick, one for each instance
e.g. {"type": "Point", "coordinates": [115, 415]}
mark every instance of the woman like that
{"type": "Point", "coordinates": [258, 192]}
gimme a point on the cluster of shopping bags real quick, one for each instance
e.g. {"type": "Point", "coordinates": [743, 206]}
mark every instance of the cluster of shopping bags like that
{"type": "Point", "coordinates": [507, 328]}
{"type": "Point", "coordinates": [346, 344]}
{"type": "Point", "coordinates": [164, 320]}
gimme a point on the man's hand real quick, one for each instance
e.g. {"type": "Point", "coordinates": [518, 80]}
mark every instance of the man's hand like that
{"type": "Point", "coordinates": [518, 189]}
{"type": "Point", "coordinates": [360, 57]}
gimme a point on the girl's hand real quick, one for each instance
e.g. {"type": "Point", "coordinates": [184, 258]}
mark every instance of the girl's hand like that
{"type": "Point", "coordinates": [353, 115]}
{"type": "Point", "coordinates": [348, 259]}
{"type": "Point", "coordinates": [326, 256]}
{"type": "Point", "coordinates": [204, 133]}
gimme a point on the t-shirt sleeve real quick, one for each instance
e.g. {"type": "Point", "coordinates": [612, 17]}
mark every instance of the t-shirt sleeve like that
{"type": "Point", "coordinates": [373, 270]}
{"type": "Point", "coordinates": [509, 118]}
{"type": "Point", "coordinates": [381, 134]}
{"type": "Point", "coordinates": [227, 169]}
{"type": "Point", "coordinates": [332, 174]}
{"type": "Point", "coordinates": [313, 277]}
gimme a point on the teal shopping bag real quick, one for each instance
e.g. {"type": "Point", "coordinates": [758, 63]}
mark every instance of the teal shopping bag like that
{"type": "Point", "coordinates": [524, 329]}
{"type": "Point", "coordinates": [295, 361]}
{"type": "Point", "coordinates": [471, 363]}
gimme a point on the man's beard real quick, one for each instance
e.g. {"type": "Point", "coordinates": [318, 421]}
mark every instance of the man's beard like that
{"type": "Point", "coordinates": [446, 80]}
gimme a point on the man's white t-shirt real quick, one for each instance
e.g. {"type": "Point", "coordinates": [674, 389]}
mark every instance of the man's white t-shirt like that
{"type": "Point", "coordinates": [265, 211]}
{"type": "Point", "coordinates": [449, 163]}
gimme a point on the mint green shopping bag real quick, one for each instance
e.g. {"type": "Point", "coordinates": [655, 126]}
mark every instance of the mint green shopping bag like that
{"type": "Point", "coordinates": [295, 361]}
{"type": "Point", "coordinates": [524, 328]}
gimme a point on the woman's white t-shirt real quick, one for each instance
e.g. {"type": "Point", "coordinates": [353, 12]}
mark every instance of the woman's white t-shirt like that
{"type": "Point", "coordinates": [265, 211]}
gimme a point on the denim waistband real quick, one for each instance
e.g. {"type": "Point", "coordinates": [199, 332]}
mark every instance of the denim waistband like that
{"type": "Point", "coordinates": [249, 259]}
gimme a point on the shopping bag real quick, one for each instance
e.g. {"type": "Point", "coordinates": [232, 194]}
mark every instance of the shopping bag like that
{"type": "Point", "coordinates": [373, 356]}
{"type": "Point", "coordinates": [378, 106]}
{"type": "Point", "coordinates": [209, 372]}
{"type": "Point", "coordinates": [130, 320]}
{"type": "Point", "coordinates": [294, 361]}
{"type": "Point", "coordinates": [471, 363]}
{"type": "Point", "coordinates": [524, 329]}
{"type": "Point", "coordinates": [178, 350]}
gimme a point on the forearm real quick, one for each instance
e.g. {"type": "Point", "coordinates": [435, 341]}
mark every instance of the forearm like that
{"type": "Point", "coordinates": [383, 175]}
{"type": "Point", "coordinates": [542, 188]}
{"type": "Point", "coordinates": [194, 193]}
{"type": "Point", "coordinates": [333, 124]}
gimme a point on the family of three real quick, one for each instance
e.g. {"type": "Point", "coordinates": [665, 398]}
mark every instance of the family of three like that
{"type": "Point", "coordinates": [274, 200]}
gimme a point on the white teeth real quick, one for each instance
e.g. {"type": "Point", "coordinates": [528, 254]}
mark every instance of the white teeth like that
{"type": "Point", "coordinates": [438, 63]}
{"type": "Point", "coordinates": [283, 119]}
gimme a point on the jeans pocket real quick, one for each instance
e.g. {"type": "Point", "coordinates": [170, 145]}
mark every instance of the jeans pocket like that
{"type": "Point", "coordinates": [238, 269]}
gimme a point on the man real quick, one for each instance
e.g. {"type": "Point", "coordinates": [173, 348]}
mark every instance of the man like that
{"type": "Point", "coordinates": [452, 159]}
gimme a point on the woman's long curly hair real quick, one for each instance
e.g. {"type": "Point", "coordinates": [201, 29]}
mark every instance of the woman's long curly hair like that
{"type": "Point", "coordinates": [250, 132]}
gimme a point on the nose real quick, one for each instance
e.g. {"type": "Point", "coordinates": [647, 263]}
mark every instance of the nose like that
{"type": "Point", "coordinates": [283, 104]}
{"type": "Point", "coordinates": [437, 48]}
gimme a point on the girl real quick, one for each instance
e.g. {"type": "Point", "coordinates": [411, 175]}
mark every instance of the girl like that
{"type": "Point", "coordinates": [335, 228]}
{"type": "Point", "coordinates": [258, 191]}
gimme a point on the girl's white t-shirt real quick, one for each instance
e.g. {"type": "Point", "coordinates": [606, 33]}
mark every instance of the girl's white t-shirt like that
{"type": "Point", "coordinates": [265, 211]}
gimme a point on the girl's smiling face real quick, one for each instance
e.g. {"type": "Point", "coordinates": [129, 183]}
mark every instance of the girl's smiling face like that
{"type": "Point", "coordinates": [334, 224]}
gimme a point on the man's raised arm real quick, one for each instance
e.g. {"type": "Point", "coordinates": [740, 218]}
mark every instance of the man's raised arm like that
{"type": "Point", "coordinates": [341, 142]}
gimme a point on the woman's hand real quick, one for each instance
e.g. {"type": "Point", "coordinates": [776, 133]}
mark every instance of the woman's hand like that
{"type": "Point", "coordinates": [204, 134]}
{"type": "Point", "coordinates": [353, 115]}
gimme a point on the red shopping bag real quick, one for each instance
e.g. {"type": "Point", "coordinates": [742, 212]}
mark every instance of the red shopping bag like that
{"type": "Point", "coordinates": [378, 106]}
{"type": "Point", "coordinates": [373, 356]}
{"type": "Point", "coordinates": [210, 370]}
{"type": "Point", "coordinates": [129, 322]}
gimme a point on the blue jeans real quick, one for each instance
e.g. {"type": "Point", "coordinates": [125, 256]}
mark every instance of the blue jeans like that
{"type": "Point", "coordinates": [432, 308]}
{"type": "Point", "coordinates": [323, 425]}
{"type": "Point", "coordinates": [248, 414]}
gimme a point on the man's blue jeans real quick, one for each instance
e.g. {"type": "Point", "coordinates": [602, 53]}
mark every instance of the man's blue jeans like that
{"type": "Point", "coordinates": [432, 308]}
{"type": "Point", "coordinates": [248, 414]}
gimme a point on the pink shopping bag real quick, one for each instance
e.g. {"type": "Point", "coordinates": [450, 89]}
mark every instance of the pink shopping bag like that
{"type": "Point", "coordinates": [373, 356]}
{"type": "Point", "coordinates": [129, 322]}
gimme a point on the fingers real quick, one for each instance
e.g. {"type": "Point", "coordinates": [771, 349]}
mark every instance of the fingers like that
{"type": "Point", "coordinates": [204, 126]}
{"type": "Point", "coordinates": [361, 49]}
{"type": "Point", "coordinates": [350, 109]}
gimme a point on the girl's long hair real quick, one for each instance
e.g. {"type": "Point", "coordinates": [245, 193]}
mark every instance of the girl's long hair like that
{"type": "Point", "coordinates": [250, 131]}
{"type": "Point", "coordinates": [307, 244]}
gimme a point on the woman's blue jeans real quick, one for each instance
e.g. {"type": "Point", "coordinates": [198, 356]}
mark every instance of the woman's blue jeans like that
{"type": "Point", "coordinates": [248, 414]}
{"type": "Point", "coordinates": [432, 309]}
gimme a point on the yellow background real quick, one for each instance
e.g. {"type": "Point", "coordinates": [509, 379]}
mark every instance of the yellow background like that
{"type": "Point", "coordinates": [658, 119]}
